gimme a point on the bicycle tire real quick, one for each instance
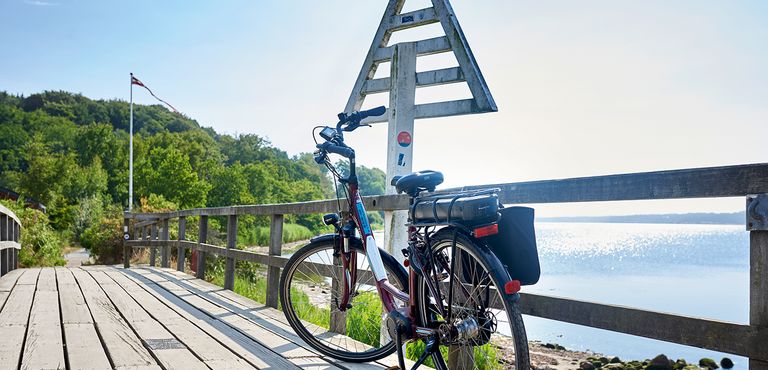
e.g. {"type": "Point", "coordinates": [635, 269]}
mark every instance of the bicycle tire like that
{"type": "Point", "coordinates": [396, 274]}
{"type": "Point", "coordinates": [497, 276]}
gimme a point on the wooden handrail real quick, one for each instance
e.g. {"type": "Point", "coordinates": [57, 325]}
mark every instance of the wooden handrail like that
{"type": "Point", "coordinates": [10, 237]}
{"type": "Point", "coordinates": [726, 181]}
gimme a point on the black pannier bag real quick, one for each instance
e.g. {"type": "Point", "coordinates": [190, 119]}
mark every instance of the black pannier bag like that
{"type": "Point", "coordinates": [466, 209]}
{"type": "Point", "coordinates": [515, 244]}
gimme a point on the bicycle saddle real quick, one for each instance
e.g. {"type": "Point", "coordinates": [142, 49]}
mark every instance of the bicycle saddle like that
{"type": "Point", "coordinates": [415, 182]}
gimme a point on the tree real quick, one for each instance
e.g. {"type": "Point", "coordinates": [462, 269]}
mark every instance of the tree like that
{"type": "Point", "coordinates": [167, 172]}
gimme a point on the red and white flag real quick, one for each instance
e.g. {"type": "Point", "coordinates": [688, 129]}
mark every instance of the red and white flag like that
{"type": "Point", "coordinates": [135, 81]}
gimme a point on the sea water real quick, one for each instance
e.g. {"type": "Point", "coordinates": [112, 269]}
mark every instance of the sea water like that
{"type": "Point", "coordinates": [691, 270]}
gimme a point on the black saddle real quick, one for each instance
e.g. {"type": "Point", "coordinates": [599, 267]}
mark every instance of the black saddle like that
{"type": "Point", "coordinates": [416, 182]}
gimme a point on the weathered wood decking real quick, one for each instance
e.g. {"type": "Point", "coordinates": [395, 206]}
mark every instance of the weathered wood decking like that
{"type": "Point", "coordinates": [105, 317]}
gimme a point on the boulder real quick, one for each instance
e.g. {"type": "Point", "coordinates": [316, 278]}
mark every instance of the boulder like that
{"type": "Point", "coordinates": [586, 365]}
{"type": "Point", "coordinates": [660, 362]}
{"type": "Point", "coordinates": [708, 363]}
{"type": "Point", "coordinates": [615, 360]}
{"type": "Point", "coordinates": [726, 363]}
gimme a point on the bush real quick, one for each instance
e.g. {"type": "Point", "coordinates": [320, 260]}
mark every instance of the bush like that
{"type": "Point", "coordinates": [104, 238]}
{"type": "Point", "coordinates": [40, 244]}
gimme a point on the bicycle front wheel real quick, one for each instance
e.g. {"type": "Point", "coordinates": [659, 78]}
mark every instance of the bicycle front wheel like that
{"type": "Point", "coordinates": [481, 327]}
{"type": "Point", "coordinates": [310, 288]}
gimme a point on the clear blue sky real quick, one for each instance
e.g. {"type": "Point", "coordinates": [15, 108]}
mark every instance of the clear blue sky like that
{"type": "Point", "coordinates": [583, 88]}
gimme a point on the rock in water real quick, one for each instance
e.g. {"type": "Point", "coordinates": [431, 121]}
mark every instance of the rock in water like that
{"type": "Point", "coordinates": [660, 362]}
{"type": "Point", "coordinates": [708, 363]}
{"type": "Point", "coordinates": [726, 363]}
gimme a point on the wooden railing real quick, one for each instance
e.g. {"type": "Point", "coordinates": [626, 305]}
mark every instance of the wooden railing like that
{"type": "Point", "coordinates": [750, 181]}
{"type": "Point", "coordinates": [10, 233]}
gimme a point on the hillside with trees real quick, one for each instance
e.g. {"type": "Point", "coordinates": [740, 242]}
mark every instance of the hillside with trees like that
{"type": "Point", "coordinates": [70, 153]}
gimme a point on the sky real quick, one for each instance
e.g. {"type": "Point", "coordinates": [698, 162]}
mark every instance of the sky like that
{"type": "Point", "coordinates": [583, 88]}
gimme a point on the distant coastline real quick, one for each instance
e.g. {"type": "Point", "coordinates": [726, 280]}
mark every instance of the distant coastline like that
{"type": "Point", "coordinates": [735, 218]}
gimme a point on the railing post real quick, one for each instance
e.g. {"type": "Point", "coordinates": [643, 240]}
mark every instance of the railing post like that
{"type": "Point", "coordinates": [165, 249]}
{"type": "Point", "coordinates": [275, 249]}
{"type": "Point", "coordinates": [229, 270]}
{"type": "Point", "coordinates": [152, 249]}
{"type": "Point", "coordinates": [126, 248]}
{"type": "Point", "coordinates": [180, 251]}
{"type": "Point", "coordinates": [757, 224]}
{"type": "Point", "coordinates": [201, 239]}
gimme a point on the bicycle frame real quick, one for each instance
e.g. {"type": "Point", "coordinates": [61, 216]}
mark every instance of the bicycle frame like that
{"type": "Point", "coordinates": [387, 292]}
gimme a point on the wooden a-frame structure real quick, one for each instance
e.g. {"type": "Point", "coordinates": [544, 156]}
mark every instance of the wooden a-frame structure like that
{"type": "Point", "coordinates": [453, 41]}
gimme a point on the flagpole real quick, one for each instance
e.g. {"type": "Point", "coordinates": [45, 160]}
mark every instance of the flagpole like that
{"type": "Point", "coordinates": [130, 160]}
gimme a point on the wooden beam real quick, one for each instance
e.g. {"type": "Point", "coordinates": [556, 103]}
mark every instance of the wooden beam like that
{"type": "Point", "coordinates": [435, 45]}
{"type": "Point", "coordinates": [707, 182]}
{"type": "Point", "coordinates": [720, 336]}
{"type": "Point", "coordinates": [423, 79]}
{"type": "Point", "coordinates": [201, 239]}
{"type": "Point", "coordinates": [229, 268]}
{"type": "Point", "coordinates": [275, 247]}
{"type": "Point", "coordinates": [460, 46]}
{"type": "Point", "coordinates": [758, 291]}
{"type": "Point", "coordinates": [412, 19]}
{"type": "Point", "coordinates": [180, 254]}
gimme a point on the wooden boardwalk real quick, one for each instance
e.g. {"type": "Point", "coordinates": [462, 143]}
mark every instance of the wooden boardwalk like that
{"type": "Point", "coordinates": [105, 317]}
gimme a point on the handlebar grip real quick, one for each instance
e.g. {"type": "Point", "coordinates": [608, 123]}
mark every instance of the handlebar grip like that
{"type": "Point", "coordinates": [375, 112]}
{"type": "Point", "coordinates": [336, 149]}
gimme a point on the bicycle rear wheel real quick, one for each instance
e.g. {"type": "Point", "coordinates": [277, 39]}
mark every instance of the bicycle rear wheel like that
{"type": "Point", "coordinates": [308, 297]}
{"type": "Point", "coordinates": [484, 329]}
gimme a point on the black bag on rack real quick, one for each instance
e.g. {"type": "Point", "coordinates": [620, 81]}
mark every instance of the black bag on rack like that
{"type": "Point", "coordinates": [515, 244]}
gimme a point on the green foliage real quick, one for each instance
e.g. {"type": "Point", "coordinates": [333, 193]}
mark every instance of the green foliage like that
{"type": "Point", "coordinates": [71, 153]}
{"type": "Point", "coordinates": [104, 238]}
{"type": "Point", "coordinates": [40, 244]}
{"type": "Point", "coordinates": [372, 180]}
{"type": "Point", "coordinates": [259, 235]}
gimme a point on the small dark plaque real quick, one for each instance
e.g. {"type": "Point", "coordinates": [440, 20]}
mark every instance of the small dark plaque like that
{"type": "Point", "coordinates": [407, 19]}
{"type": "Point", "coordinates": [160, 344]}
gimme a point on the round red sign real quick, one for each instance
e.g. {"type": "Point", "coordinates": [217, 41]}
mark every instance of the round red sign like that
{"type": "Point", "coordinates": [404, 138]}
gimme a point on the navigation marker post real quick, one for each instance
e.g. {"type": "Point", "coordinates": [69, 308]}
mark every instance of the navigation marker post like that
{"type": "Point", "coordinates": [402, 84]}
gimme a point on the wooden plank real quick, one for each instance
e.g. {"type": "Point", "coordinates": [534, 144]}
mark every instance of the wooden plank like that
{"type": "Point", "coordinates": [47, 280]}
{"type": "Point", "coordinates": [278, 317]}
{"type": "Point", "coordinates": [265, 331]}
{"type": "Point", "coordinates": [8, 281]}
{"type": "Point", "coordinates": [29, 277]}
{"type": "Point", "coordinates": [44, 345]}
{"type": "Point", "coordinates": [412, 19]}
{"type": "Point", "coordinates": [166, 348]}
{"type": "Point", "coordinates": [13, 324]}
{"type": "Point", "coordinates": [11, 340]}
{"type": "Point", "coordinates": [84, 349]}
{"type": "Point", "coordinates": [211, 352]}
{"type": "Point", "coordinates": [423, 79]}
{"type": "Point", "coordinates": [123, 347]}
{"type": "Point", "coordinates": [709, 334]}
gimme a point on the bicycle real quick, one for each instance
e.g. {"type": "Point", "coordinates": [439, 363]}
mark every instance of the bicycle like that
{"type": "Point", "coordinates": [352, 301]}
